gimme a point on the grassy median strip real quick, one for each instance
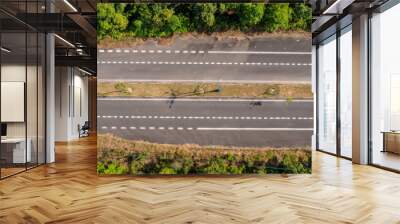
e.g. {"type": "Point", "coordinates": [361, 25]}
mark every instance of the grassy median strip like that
{"type": "Point", "coordinates": [286, 91]}
{"type": "Point", "coordinates": [121, 156]}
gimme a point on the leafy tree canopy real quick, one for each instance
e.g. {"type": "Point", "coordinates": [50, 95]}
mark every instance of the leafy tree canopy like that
{"type": "Point", "coordinates": [118, 20]}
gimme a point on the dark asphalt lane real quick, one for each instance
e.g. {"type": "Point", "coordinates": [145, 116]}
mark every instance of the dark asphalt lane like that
{"type": "Point", "coordinates": [230, 123]}
{"type": "Point", "coordinates": [215, 73]}
{"type": "Point", "coordinates": [243, 56]}
{"type": "Point", "coordinates": [286, 65]}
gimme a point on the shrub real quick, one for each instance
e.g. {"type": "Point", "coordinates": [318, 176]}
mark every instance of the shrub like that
{"type": "Point", "coordinates": [111, 168]}
{"type": "Point", "coordinates": [167, 170]}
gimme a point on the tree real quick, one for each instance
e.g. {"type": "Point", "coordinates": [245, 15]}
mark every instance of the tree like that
{"type": "Point", "coordinates": [116, 20]}
{"type": "Point", "coordinates": [110, 23]}
{"type": "Point", "coordinates": [276, 17]}
{"type": "Point", "coordinates": [205, 14]}
{"type": "Point", "coordinates": [250, 15]}
{"type": "Point", "coordinates": [301, 17]}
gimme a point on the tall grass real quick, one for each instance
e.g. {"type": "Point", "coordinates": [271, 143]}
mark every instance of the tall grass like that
{"type": "Point", "coordinates": [121, 156]}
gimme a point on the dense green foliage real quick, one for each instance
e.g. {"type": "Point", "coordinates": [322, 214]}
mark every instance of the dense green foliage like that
{"type": "Point", "coordinates": [119, 156]}
{"type": "Point", "coordinates": [117, 20]}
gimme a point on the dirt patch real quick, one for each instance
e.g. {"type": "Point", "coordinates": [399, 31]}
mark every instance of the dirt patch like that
{"type": "Point", "coordinates": [217, 36]}
{"type": "Point", "coordinates": [268, 91]}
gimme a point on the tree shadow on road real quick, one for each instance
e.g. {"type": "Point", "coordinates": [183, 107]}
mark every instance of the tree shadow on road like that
{"type": "Point", "coordinates": [255, 104]}
{"type": "Point", "coordinates": [175, 95]}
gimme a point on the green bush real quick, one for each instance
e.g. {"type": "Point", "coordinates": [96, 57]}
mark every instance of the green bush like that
{"type": "Point", "coordinates": [118, 20]}
{"type": "Point", "coordinates": [111, 168]}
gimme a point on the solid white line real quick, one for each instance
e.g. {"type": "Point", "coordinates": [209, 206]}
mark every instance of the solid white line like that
{"type": "Point", "coordinates": [253, 129]}
{"type": "Point", "coordinates": [210, 52]}
{"type": "Point", "coordinates": [205, 81]}
{"type": "Point", "coordinates": [217, 63]}
{"type": "Point", "coordinates": [202, 100]}
{"type": "Point", "coordinates": [261, 52]}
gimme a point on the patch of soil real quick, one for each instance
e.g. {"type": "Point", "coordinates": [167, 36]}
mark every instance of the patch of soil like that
{"type": "Point", "coordinates": [217, 36]}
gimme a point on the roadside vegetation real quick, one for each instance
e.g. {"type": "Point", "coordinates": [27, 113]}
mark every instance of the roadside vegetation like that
{"type": "Point", "coordinates": [121, 156]}
{"type": "Point", "coordinates": [123, 20]}
{"type": "Point", "coordinates": [272, 91]}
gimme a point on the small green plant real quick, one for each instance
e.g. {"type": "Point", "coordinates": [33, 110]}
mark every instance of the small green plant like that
{"type": "Point", "coordinates": [121, 87]}
{"type": "Point", "coordinates": [112, 168]}
{"type": "Point", "coordinates": [167, 170]}
{"type": "Point", "coordinates": [100, 168]}
{"type": "Point", "coordinates": [272, 91]}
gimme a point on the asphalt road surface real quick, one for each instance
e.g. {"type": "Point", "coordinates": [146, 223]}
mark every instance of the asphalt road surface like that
{"type": "Point", "coordinates": [283, 60]}
{"type": "Point", "coordinates": [244, 123]}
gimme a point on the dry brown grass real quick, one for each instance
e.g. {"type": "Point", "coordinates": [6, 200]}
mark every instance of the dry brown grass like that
{"type": "Point", "coordinates": [285, 91]}
{"type": "Point", "coordinates": [122, 156]}
{"type": "Point", "coordinates": [217, 36]}
{"type": "Point", "coordinates": [108, 141]}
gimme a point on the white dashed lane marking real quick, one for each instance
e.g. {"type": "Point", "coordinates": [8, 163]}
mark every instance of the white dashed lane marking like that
{"type": "Point", "coordinates": [206, 63]}
{"type": "Point", "coordinates": [169, 51]}
{"type": "Point", "coordinates": [203, 117]}
{"type": "Point", "coordinates": [253, 129]}
{"type": "Point", "coordinates": [144, 128]}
